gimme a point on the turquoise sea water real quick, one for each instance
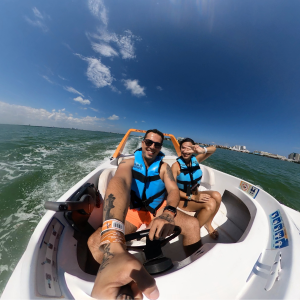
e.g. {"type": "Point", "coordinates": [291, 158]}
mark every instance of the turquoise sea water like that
{"type": "Point", "coordinates": [39, 164]}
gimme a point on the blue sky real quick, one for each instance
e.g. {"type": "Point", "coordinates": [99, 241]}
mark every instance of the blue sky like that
{"type": "Point", "coordinates": [224, 72]}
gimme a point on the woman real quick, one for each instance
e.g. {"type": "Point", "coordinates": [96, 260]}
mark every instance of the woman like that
{"type": "Point", "coordinates": [188, 175]}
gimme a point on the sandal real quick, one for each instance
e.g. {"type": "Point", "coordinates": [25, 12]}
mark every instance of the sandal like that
{"type": "Point", "coordinates": [214, 234]}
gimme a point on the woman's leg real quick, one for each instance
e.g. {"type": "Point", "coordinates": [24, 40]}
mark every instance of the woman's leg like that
{"type": "Point", "coordinates": [205, 211]}
{"type": "Point", "coordinates": [217, 198]}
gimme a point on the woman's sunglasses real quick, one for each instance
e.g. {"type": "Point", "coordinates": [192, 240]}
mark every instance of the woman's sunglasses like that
{"type": "Point", "coordinates": [150, 142]}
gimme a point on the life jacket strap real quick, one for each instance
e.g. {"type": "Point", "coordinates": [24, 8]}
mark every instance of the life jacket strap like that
{"type": "Point", "coordinates": [186, 184]}
{"type": "Point", "coordinates": [189, 169]}
{"type": "Point", "coordinates": [136, 202]}
{"type": "Point", "coordinates": [140, 177]}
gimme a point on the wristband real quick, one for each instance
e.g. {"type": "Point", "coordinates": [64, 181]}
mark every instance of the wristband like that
{"type": "Point", "coordinates": [171, 209]}
{"type": "Point", "coordinates": [112, 236]}
{"type": "Point", "coordinates": [113, 224]}
{"type": "Point", "coordinates": [205, 149]}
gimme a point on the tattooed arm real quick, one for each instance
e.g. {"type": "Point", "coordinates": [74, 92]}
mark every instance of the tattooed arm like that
{"type": "Point", "coordinates": [171, 185]}
{"type": "Point", "coordinates": [117, 195]}
{"type": "Point", "coordinates": [118, 267]}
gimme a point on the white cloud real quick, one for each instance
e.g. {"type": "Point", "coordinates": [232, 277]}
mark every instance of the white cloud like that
{"type": "Point", "coordinates": [104, 50]}
{"type": "Point", "coordinates": [63, 109]}
{"type": "Point", "coordinates": [82, 101]}
{"type": "Point", "coordinates": [113, 117]}
{"type": "Point", "coordinates": [135, 122]}
{"type": "Point", "coordinates": [134, 87]}
{"type": "Point", "coordinates": [61, 77]}
{"type": "Point", "coordinates": [38, 20]}
{"type": "Point", "coordinates": [124, 42]}
{"type": "Point", "coordinates": [72, 90]}
{"type": "Point", "coordinates": [37, 13]}
{"type": "Point", "coordinates": [159, 88]}
{"type": "Point", "coordinates": [114, 89]}
{"type": "Point", "coordinates": [143, 121]}
{"type": "Point", "coordinates": [126, 45]}
{"type": "Point", "coordinates": [97, 73]}
{"type": "Point", "coordinates": [68, 46]}
{"type": "Point", "coordinates": [46, 78]}
{"type": "Point", "coordinates": [17, 114]}
{"type": "Point", "coordinates": [94, 109]}
{"type": "Point", "coordinates": [98, 9]}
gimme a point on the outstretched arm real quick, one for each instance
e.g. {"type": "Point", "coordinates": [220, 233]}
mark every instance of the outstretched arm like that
{"type": "Point", "coordinates": [117, 195]}
{"type": "Point", "coordinates": [118, 267]}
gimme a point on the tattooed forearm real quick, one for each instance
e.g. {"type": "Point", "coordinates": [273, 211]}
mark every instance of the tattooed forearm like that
{"type": "Point", "coordinates": [109, 205]}
{"type": "Point", "coordinates": [168, 218]}
{"type": "Point", "coordinates": [107, 255]}
{"type": "Point", "coordinates": [169, 173]}
{"type": "Point", "coordinates": [124, 214]}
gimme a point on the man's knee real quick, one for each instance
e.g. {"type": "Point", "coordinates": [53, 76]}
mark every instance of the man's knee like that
{"type": "Point", "coordinates": [191, 226]}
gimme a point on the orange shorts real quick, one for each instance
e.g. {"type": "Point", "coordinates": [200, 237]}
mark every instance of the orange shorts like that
{"type": "Point", "coordinates": [139, 217]}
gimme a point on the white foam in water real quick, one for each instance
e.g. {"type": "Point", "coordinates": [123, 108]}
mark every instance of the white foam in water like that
{"type": "Point", "coordinates": [45, 152]}
{"type": "Point", "coordinates": [3, 268]}
{"type": "Point", "coordinates": [132, 144]}
{"type": "Point", "coordinates": [168, 151]}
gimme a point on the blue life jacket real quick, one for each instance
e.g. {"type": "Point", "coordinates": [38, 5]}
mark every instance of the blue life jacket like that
{"type": "Point", "coordinates": [147, 189]}
{"type": "Point", "coordinates": [189, 176]}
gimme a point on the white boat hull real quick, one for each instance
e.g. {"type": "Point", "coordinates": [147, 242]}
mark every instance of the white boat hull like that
{"type": "Point", "coordinates": [239, 266]}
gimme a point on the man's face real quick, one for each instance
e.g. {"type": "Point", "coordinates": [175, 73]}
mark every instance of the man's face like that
{"type": "Point", "coordinates": [150, 152]}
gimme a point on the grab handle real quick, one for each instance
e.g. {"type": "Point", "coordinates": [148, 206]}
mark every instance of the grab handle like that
{"type": "Point", "coordinates": [274, 272]}
{"type": "Point", "coordinates": [85, 204]}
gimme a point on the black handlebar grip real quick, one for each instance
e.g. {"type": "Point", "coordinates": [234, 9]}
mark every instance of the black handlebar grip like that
{"type": "Point", "coordinates": [56, 206]}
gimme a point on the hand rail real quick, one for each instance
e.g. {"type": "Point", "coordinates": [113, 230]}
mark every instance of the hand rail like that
{"type": "Point", "coordinates": [274, 272]}
{"type": "Point", "coordinates": [125, 138]}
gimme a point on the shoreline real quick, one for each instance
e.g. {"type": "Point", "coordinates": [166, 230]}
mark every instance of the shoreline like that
{"type": "Point", "coordinates": [274, 156]}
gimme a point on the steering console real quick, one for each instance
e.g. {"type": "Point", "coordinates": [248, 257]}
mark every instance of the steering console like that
{"type": "Point", "coordinates": [156, 262]}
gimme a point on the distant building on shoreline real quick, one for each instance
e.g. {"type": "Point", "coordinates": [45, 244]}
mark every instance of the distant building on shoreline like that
{"type": "Point", "coordinates": [294, 156]}
{"type": "Point", "coordinates": [239, 148]}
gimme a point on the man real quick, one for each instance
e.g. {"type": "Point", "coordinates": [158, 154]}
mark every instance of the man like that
{"type": "Point", "coordinates": [142, 181]}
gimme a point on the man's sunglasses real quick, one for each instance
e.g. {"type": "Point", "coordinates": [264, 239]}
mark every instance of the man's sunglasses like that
{"type": "Point", "coordinates": [150, 142]}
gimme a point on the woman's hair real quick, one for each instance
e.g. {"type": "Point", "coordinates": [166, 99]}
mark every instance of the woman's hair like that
{"type": "Point", "coordinates": [186, 140]}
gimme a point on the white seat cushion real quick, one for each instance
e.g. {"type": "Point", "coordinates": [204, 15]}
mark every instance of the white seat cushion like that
{"type": "Point", "coordinates": [104, 179]}
{"type": "Point", "coordinates": [208, 176]}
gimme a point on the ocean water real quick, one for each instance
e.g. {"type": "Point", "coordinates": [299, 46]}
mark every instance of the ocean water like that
{"type": "Point", "coordinates": [38, 164]}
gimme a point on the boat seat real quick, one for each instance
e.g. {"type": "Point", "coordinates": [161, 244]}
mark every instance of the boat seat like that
{"type": "Point", "coordinates": [208, 178]}
{"type": "Point", "coordinates": [169, 161]}
{"type": "Point", "coordinates": [104, 179]}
